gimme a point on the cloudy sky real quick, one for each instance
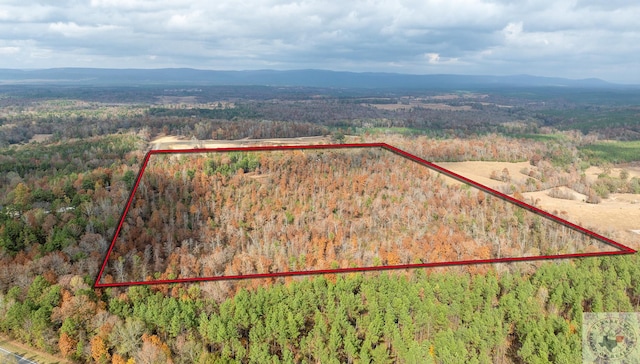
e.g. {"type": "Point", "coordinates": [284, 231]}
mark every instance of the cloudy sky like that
{"type": "Point", "coordinates": [573, 39]}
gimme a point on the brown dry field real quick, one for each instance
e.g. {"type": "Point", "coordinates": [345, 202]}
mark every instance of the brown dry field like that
{"type": "Point", "coordinates": [177, 143]}
{"type": "Point", "coordinates": [38, 138]}
{"type": "Point", "coordinates": [177, 99]}
{"type": "Point", "coordinates": [617, 217]}
{"type": "Point", "coordinates": [456, 96]}
{"type": "Point", "coordinates": [433, 106]}
{"type": "Point", "coordinates": [593, 172]}
{"type": "Point", "coordinates": [498, 105]}
{"type": "Point", "coordinates": [189, 102]}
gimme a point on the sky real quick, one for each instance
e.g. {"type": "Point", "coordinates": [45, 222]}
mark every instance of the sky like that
{"type": "Point", "coordinates": [572, 39]}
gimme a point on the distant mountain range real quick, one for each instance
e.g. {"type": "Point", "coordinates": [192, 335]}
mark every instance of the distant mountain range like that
{"type": "Point", "coordinates": [305, 78]}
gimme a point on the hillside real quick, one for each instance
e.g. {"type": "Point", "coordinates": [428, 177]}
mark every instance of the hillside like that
{"type": "Point", "coordinates": [306, 78]}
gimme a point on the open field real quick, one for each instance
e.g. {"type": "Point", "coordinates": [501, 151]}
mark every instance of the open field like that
{"type": "Point", "coordinates": [620, 213]}
{"type": "Point", "coordinates": [432, 106]}
{"type": "Point", "coordinates": [593, 172]}
{"type": "Point", "coordinates": [480, 171]}
{"type": "Point", "coordinates": [39, 138]}
{"type": "Point", "coordinates": [449, 102]}
{"type": "Point", "coordinates": [173, 142]}
{"type": "Point", "coordinates": [613, 151]}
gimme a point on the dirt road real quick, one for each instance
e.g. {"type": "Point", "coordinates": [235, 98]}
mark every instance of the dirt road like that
{"type": "Point", "coordinates": [177, 143]}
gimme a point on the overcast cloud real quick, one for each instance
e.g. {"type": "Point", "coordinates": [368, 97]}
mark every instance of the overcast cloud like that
{"type": "Point", "coordinates": [574, 39]}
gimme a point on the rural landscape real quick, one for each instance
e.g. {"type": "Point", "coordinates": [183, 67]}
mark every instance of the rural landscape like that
{"type": "Point", "coordinates": [71, 154]}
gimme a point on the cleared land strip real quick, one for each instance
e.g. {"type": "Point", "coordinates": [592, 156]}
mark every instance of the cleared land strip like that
{"type": "Point", "coordinates": [173, 142]}
{"type": "Point", "coordinates": [26, 354]}
{"type": "Point", "coordinates": [7, 355]}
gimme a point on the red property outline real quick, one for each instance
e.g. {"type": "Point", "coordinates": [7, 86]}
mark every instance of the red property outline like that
{"type": "Point", "coordinates": [622, 248]}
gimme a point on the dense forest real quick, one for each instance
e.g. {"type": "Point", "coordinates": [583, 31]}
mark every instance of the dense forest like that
{"type": "Point", "coordinates": [244, 213]}
{"type": "Point", "coordinates": [69, 159]}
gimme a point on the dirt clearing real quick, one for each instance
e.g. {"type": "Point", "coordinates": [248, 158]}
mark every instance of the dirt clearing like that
{"type": "Point", "coordinates": [39, 138]}
{"type": "Point", "coordinates": [617, 217]}
{"type": "Point", "coordinates": [481, 171]}
{"type": "Point", "coordinates": [176, 143]}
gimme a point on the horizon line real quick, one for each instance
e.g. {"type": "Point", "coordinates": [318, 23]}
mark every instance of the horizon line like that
{"type": "Point", "coordinates": [588, 78]}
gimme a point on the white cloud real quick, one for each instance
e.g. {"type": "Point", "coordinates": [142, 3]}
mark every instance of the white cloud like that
{"type": "Point", "coordinates": [464, 36]}
{"type": "Point", "coordinates": [71, 29]}
{"type": "Point", "coordinates": [436, 59]}
{"type": "Point", "coordinates": [139, 5]}
{"type": "Point", "coordinates": [512, 31]}
{"type": "Point", "coordinates": [433, 57]}
{"type": "Point", "coordinates": [9, 50]}
{"type": "Point", "coordinates": [17, 13]}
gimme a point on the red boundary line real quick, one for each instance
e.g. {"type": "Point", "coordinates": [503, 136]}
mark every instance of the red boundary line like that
{"type": "Point", "coordinates": [622, 248]}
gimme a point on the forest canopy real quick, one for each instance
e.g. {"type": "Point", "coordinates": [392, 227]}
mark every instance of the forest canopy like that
{"type": "Point", "coordinates": [261, 212]}
{"type": "Point", "coordinates": [70, 156]}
